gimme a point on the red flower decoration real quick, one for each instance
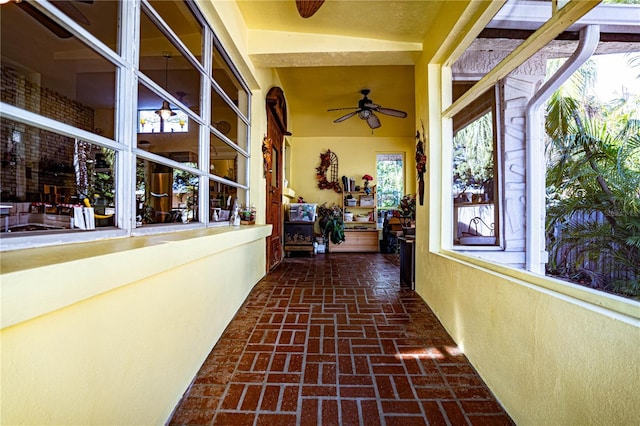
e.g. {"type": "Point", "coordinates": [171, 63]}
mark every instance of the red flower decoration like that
{"type": "Point", "coordinates": [367, 177]}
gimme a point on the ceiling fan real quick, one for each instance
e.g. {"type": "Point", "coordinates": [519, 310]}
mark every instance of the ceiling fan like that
{"type": "Point", "coordinates": [306, 8]}
{"type": "Point", "coordinates": [365, 110]}
{"type": "Point", "coordinates": [65, 6]}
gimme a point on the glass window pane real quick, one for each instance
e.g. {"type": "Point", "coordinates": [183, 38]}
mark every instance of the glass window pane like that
{"type": "Point", "coordinates": [100, 18]}
{"type": "Point", "coordinates": [165, 195]}
{"type": "Point", "coordinates": [179, 16]}
{"type": "Point", "coordinates": [59, 78]}
{"type": "Point", "coordinates": [473, 182]}
{"type": "Point", "coordinates": [225, 161]}
{"type": "Point", "coordinates": [46, 175]}
{"type": "Point", "coordinates": [222, 199]}
{"type": "Point", "coordinates": [390, 180]}
{"type": "Point", "coordinates": [225, 119]}
{"type": "Point", "coordinates": [176, 136]}
{"type": "Point", "coordinates": [228, 82]}
{"type": "Point", "coordinates": [161, 61]}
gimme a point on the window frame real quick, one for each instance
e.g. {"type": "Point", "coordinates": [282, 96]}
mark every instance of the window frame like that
{"type": "Point", "coordinates": [128, 76]}
{"type": "Point", "coordinates": [559, 21]}
{"type": "Point", "coordinates": [492, 97]}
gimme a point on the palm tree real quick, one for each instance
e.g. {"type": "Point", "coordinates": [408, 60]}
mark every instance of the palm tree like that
{"type": "Point", "coordinates": [593, 188]}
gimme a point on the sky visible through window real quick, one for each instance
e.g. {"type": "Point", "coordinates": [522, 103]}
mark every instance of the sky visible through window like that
{"type": "Point", "coordinates": [615, 74]}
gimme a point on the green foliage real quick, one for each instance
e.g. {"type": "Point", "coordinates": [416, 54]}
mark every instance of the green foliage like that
{"type": "Point", "coordinates": [331, 223]}
{"type": "Point", "coordinates": [473, 154]}
{"type": "Point", "coordinates": [390, 185]}
{"type": "Point", "coordinates": [594, 170]}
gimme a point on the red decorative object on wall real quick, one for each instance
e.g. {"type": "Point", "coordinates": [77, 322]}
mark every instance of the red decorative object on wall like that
{"type": "Point", "coordinates": [421, 163]}
{"type": "Point", "coordinates": [328, 162]}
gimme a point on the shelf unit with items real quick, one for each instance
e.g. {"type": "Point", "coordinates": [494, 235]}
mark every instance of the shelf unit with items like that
{"type": "Point", "coordinates": [360, 216]}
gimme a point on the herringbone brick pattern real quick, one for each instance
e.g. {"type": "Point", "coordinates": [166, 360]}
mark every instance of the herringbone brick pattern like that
{"type": "Point", "coordinates": [335, 340]}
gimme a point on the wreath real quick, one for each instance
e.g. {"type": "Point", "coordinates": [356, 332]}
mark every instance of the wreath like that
{"type": "Point", "coordinates": [328, 160]}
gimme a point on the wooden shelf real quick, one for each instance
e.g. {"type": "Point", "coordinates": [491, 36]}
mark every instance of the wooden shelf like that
{"type": "Point", "coordinates": [359, 236]}
{"type": "Point", "coordinates": [357, 240]}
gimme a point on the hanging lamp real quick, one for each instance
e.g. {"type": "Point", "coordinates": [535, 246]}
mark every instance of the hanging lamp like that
{"type": "Point", "coordinates": [165, 111]}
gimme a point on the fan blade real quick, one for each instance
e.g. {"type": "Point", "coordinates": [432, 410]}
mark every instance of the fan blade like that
{"type": "Point", "coordinates": [373, 121]}
{"type": "Point", "coordinates": [306, 8]}
{"type": "Point", "coordinates": [344, 117]}
{"type": "Point", "coordinates": [371, 105]}
{"type": "Point", "coordinates": [67, 7]}
{"type": "Point", "coordinates": [340, 109]}
{"type": "Point", "coordinates": [392, 112]}
{"type": "Point", "coordinates": [43, 19]}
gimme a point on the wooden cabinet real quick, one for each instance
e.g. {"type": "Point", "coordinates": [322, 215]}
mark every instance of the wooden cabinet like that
{"type": "Point", "coordinates": [360, 215]}
{"type": "Point", "coordinates": [358, 240]}
{"type": "Point", "coordinates": [298, 236]}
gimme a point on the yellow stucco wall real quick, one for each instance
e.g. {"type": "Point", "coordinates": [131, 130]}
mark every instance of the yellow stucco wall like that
{"type": "Point", "coordinates": [124, 354]}
{"type": "Point", "coordinates": [552, 355]}
{"type": "Point", "coordinates": [550, 359]}
{"type": "Point", "coordinates": [356, 157]}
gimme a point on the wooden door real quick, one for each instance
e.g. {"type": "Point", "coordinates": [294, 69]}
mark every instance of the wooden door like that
{"type": "Point", "coordinates": [276, 129]}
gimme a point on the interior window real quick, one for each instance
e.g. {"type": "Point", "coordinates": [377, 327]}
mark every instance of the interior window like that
{"type": "Point", "coordinates": [165, 194]}
{"type": "Point", "coordinates": [50, 188]}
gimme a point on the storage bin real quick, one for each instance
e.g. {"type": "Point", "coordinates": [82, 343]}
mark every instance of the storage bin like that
{"type": "Point", "coordinates": [302, 212]}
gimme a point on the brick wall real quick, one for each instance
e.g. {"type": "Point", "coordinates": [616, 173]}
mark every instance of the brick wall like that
{"type": "Point", "coordinates": [42, 157]}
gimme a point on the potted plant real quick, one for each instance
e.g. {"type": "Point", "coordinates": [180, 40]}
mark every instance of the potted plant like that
{"type": "Point", "coordinates": [331, 223]}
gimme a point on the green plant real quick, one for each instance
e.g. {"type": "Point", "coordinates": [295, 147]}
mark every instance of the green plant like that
{"type": "Point", "coordinates": [331, 223]}
{"type": "Point", "coordinates": [593, 171]}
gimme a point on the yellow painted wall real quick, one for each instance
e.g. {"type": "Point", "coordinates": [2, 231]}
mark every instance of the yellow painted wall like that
{"type": "Point", "coordinates": [124, 354]}
{"type": "Point", "coordinates": [113, 331]}
{"type": "Point", "coordinates": [356, 157]}
{"type": "Point", "coordinates": [550, 359]}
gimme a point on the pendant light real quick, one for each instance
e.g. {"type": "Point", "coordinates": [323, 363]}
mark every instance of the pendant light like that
{"type": "Point", "coordinates": [165, 111]}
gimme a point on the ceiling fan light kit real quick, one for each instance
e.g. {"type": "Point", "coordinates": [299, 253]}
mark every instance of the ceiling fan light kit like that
{"type": "Point", "coordinates": [365, 110]}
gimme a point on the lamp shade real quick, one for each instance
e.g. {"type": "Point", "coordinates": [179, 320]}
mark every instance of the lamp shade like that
{"type": "Point", "coordinates": [165, 112]}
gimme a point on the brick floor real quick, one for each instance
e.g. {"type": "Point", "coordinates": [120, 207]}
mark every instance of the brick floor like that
{"type": "Point", "coordinates": [335, 340]}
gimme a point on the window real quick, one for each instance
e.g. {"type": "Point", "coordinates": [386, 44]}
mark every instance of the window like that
{"type": "Point", "coordinates": [390, 178]}
{"type": "Point", "coordinates": [64, 144]}
{"type": "Point", "coordinates": [571, 242]}
{"type": "Point", "coordinates": [475, 215]}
